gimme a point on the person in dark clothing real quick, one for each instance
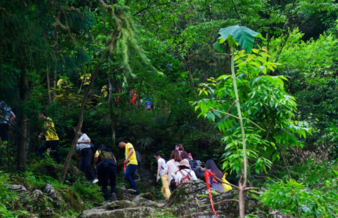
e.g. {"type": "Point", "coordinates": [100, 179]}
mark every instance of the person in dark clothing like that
{"type": "Point", "coordinates": [105, 164]}
{"type": "Point", "coordinates": [52, 138]}
{"type": "Point", "coordinates": [7, 117]}
{"type": "Point", "coordinates": [83, 144]}
{"type": "Point", "coordinates": [212, 167]}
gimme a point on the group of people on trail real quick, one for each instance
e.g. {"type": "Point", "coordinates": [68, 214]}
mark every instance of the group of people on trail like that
{"type": "Point", "coordinates": [104, 161]}
{"type": "Point", "coordinates": [178, 170]}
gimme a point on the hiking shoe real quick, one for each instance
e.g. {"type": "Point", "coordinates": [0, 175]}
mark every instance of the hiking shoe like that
{"type": "Point", "coordinates": [113, 195]}
{"type": "Point", "coordinates": [131, 191]}
{"type": "Point", "coordinates": [95, 181]}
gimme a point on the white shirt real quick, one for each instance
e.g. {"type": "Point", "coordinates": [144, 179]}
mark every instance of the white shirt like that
{"type": "Point", "coordinates": [171, 167]}
{"type": "Point", "coordinates": [83, 138]}
{"type": "Point", "coordinates": [5, 111]}
{"type": "Point", "coordinates": [163, 165]}
{"type": "Point", "coordinates": [178, 176]}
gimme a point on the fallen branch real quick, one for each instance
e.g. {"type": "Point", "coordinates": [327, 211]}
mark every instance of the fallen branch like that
{"type": "Point", "coordinates": [226, 200]}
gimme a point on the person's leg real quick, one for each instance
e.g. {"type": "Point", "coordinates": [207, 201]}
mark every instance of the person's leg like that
{"type": "Point", "coordinates": [103, 177]}
{"type": "Point", "coordinates": [165, 186]}
{"type": "Point", "coordinates": [129, 176]}
{"type": "Point", "coordinates": [43, 148]}
{"type": "Point", "coordinates": [112, 177]}
{"type": "Point", "coordinates": [4, 131]}
{"type": "Point", "coordinates": [90, 175]}
{"type": "Point", "coordinates": [55, 149]}
{"type": "Point", "coordinates": [81, 165]}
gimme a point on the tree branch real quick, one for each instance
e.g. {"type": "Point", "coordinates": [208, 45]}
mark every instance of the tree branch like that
{"type": "Point", "coordinates": [238, 118]}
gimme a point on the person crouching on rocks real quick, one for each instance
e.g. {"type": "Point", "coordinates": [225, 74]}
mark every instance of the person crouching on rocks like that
{"type": "Point", "coordinates": [131, 162]}
{"type": "Point", "coordinates": [214, 184]}
{"type": "Point", "coordinates": [171, 167]}
{"type": "Point", "coordinates": [161, 164]}
{"type": "Point", "coordinates": [184, 174]}
{"type": "Point", "coordinates": [105, 164]}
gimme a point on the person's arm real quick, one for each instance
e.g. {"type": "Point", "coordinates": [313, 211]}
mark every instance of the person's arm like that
{"type": "Point", "coordinates": [131, 151]}
{"type": "Point", "coordinates": [12, 118]}
{"type": "Point", "coordinates": [158, 170]}
{"type": "Point", "coordinates": [193, 175]}
{"type": "Point", "coordinates": [96, 158]}
{"type": "Point", "coordinates": [85, 138]}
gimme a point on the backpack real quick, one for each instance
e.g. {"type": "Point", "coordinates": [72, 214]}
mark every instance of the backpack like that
{"type": "Point", "coordinates": [198, 171]}
{"type": "Point", "coordinates": [225, 186]}
{"type": "Point", "coordinates": [185, 178]}
{"type": "Point", "coordinates": [195, 163]}
{"type": "Point", "coordinates": [105, 163]}
{"type": "Point", "coordinates": [138, 157]}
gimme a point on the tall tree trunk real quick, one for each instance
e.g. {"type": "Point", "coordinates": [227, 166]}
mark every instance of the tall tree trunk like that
{"type": "Point", "coordinates": [111, 112]}
{"type": "Point", "coordinates": [79, 124]}
{"type": "Point", "coordinates": [48, 84]}
{"type": "Point", "coordinates": [56, 51]}
{"type": "Point", "coordinates": [21, 155]}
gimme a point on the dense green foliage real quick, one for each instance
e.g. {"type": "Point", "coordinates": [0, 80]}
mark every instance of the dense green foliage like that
{"type": "Point", "coordinates": [166, 52]}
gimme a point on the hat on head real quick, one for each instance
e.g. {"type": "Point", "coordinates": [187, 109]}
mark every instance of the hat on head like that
{"type": "Point", "coordinates": [184, 163]}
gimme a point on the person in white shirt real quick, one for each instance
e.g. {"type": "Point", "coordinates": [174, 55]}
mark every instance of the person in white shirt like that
{"type": "Point", "coordinates": [83, 144]}
{"type": "Point", "coordinates": [161, 165]}
{"type": "Point", "coordinates": [171, 167]}
{"type": "Point", "coordinates": [182, 172]}
{"type": "Point", "coordinates": [7, 118]}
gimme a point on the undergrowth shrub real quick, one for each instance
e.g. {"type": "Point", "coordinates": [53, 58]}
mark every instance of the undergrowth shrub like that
{"type": "Point", "coordinates": [314, 189]}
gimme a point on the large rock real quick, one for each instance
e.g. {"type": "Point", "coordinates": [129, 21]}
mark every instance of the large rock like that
{"type": "Point", "coordinates": [50, 191]}
{"type": "Point", "coordinates": [189, 200]}
{"type": "Point", "coordinates": [17, 188]}
{"type": "Point", "coordinates": [119, 209]}
{"type": "Point", "coordinates": [277, 214]}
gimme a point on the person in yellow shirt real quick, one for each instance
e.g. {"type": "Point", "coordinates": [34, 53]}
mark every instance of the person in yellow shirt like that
{"type": "Point", "coordinates": [131, 162]}
{"type": "Point", "coordinates": [52, 138]}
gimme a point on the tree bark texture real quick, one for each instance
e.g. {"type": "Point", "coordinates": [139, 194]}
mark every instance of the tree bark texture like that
{"type": "Point", "coordinates": [79, 124]}
{"type": "Point", "coordinates": [56, 51]}
{"type": "Point", "coordinates": [21, 155]}
{"type": "Point", "coordinates": [48, 84]}
{"type": "Point", "coordinates": [111, 111]}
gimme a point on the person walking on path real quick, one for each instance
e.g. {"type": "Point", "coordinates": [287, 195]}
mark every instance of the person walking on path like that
{"type": "Point", "coordinates": [131, 163]}
{"type": "Point", "coordinates": [105, 164]}
{"type": "Point", "coordinates": [172, 166]}
{"type": "Point", "coordinates": [161, 165]}
{"type": "Point", "coordinates": [214, 184]}
{"type": "Point", "coordinates": [52, 138]}
{"type": "Point", "coordinates": [83, 144]}
{"type": "Point", "coordinates": [6, 119]}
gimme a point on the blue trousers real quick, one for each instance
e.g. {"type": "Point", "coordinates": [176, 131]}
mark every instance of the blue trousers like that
{"type": "Point", "coordinates": [130, 176]}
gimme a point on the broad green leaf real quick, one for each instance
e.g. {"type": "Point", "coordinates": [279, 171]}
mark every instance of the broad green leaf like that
{"type": "Point", "coordinates": [218, 47]}
{"type": "Point", "coordinates": [243, 36]}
